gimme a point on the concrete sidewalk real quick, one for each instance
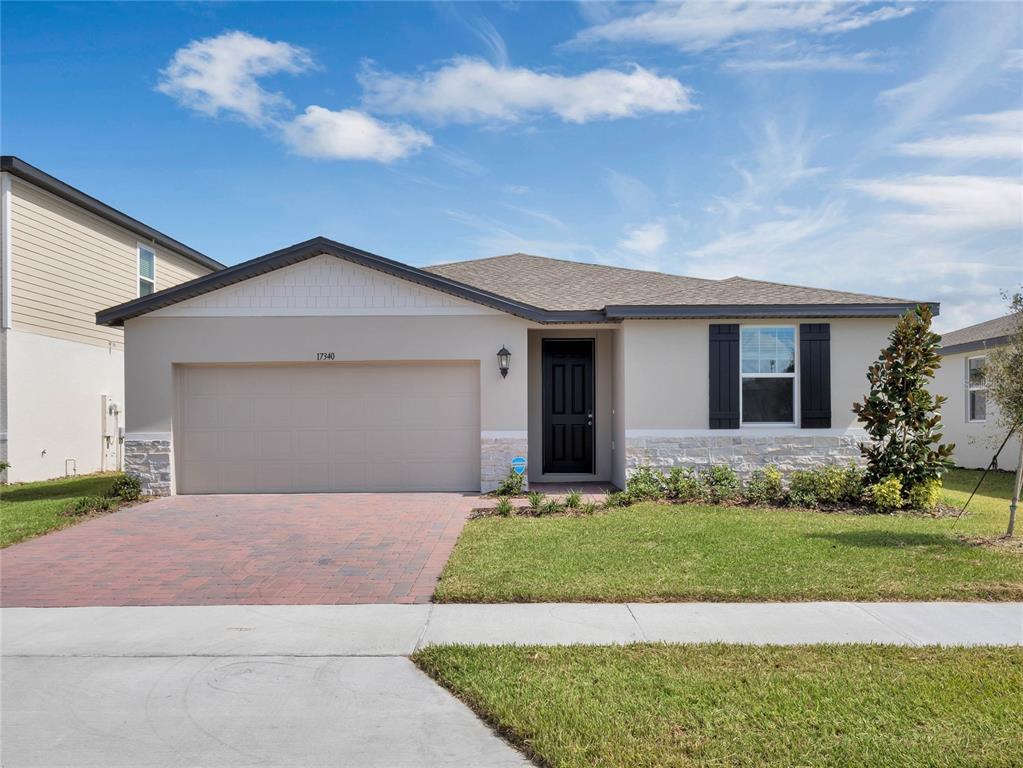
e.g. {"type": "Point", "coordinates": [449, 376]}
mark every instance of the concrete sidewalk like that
{"type": "Point", "coordinates": [309, 686]}
{"type": "Point", "coordinates": [397, 630]}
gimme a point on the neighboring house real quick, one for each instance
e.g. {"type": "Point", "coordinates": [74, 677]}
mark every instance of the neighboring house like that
{"type": "Point", "coordinates": [321, 367]}
{"type": "Point", "coordinates": [970, 419]}
{"type": "Point", "coordinates": [66, 255]}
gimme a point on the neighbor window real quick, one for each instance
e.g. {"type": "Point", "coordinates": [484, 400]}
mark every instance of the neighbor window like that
{"type": "Point", "coordinates": [147, 270]}
{"type": "Point", "coordinates": [976, 389]}
{"type": "Point", "coordinates": [768, 370]}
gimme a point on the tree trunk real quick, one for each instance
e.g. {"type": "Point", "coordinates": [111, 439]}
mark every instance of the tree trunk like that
{"type": "Point", "coordinates": [1016, 491]}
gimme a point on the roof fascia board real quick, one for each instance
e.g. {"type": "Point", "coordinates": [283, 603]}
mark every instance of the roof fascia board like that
{"type": "Point", "coordinates": [979, 344]}
{"type": "Point", "coordinates": [625, 312]}
{"type": "Point", "coordinates": [18, 167]}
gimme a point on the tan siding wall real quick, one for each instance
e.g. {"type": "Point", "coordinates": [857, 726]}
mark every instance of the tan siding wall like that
{"type": "Point", "coordinates": [67, 264]}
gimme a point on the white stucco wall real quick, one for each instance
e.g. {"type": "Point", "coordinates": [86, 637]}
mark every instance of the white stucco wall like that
{"type": "Point", "coordinates": [54, 389]}
{"type": "Point", "coordinates": [976, 442]}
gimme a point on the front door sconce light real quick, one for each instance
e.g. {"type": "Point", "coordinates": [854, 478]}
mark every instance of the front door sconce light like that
{"type": "Point", "coordinates": [503, 361]}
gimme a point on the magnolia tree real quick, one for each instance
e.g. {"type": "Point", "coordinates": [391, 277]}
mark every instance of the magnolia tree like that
{"type": "Point", "coordinates": [1003, 374]}
{"type": "Point", "coordinates": [901, 417]}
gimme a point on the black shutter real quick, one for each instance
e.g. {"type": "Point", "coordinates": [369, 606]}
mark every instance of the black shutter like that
{"type": "Point", "coordinates": [724, 376]}
{"type": "Point", "coordinates": [815, 375]}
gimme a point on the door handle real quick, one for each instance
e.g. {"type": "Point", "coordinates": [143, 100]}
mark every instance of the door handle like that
{"type": "Point", "coordinates": [589, 419]}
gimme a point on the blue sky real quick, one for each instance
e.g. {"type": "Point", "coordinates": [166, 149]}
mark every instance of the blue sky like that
{"type": "Point", "coordinates": [872, 147]}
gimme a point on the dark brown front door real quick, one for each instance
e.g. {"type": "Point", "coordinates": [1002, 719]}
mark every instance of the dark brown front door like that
{"type": "Point", "coordinates": [568, 406]}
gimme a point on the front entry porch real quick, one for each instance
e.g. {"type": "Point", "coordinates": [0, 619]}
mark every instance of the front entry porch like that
{"type": "Point", "coordinates": [571, 400]}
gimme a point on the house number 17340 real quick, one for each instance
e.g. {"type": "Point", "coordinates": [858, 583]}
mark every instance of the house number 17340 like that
{"type": "Point", "coordinates": [324, 355]}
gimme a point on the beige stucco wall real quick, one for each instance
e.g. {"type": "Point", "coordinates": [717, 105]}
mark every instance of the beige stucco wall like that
{"type": "Point", "coordinates": [604, 398]}
{"type": "Point", "coordinates": [154, 344]}
{"type": "Point", "coordinates": [976, 442]}
{"type": "Point", "coordinates": [667, 379]}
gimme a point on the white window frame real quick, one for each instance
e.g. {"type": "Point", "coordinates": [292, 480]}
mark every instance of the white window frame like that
{"type": "Point", "coordinates": [139, 246]}
{"type": "Point", "coordinates": [794, 376]}
{"type": "Point", "coordinates": [971, 388]}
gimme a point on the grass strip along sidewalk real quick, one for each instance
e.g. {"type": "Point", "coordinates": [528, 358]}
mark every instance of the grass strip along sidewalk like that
{"type": "Point", "coordinates": [740, 705]}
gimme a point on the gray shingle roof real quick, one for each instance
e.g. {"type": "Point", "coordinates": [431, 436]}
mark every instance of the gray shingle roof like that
{"type": "Point", "coordinates": [557, 285]}
{"type": "Point", "coordinates": [974, 336]}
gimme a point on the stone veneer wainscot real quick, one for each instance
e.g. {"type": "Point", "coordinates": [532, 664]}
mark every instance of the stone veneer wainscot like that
{"type": "Point", "coordinates": [149, 460]}
{"type": "Point", "coordinates": [743, 453]}
{"type": "Point", "coordinates": [496, 454]}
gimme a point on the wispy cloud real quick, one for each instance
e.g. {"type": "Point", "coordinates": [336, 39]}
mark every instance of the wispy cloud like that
{"type": "Point", "coordinates": [993, 135]}
{"type": "Point", "coordinates": [699, 26]}
{"type": "Point", "coordinates": [219, 75]}
{"type": "Point", "coordinates": [812, 59]}
{"type": "Point", "coordinates": [951, 202]}
{"type": "Point", "coordinates": [468, 90]}
{"type": "Point", "coordinates": [351, 135]}
{"type": "Point", "coordinates": [645, 239]}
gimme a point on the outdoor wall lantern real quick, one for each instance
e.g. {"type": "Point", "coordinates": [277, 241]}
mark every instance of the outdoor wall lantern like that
{"type": "Point", "coordinates": [503, 361]}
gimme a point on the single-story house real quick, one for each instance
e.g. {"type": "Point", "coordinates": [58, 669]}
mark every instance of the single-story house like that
{"type": "Point", "coordinates": [321, 367]}
{"type": "Point", "coordinates": [970, 419]}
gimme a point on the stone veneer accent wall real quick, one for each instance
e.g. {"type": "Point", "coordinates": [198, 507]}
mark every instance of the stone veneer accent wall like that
{"type": "Point", "coordinates": [149, 460]}
{"type": "Point", "coordinates": [741, 452]}
{"type": "Point", "coordinates": [496, 454]}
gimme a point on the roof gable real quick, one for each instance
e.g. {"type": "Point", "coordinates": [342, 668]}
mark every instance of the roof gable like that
{"type": "Point", "coordinates": [323, 285]}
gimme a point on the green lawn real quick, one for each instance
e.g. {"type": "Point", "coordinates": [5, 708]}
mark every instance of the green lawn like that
{"type": "Point", "coordinates": [31, 509]}
{"type": "Point", "coordinates": [656, 552]}
{"type": "Point", "coordinates": [735, 705]}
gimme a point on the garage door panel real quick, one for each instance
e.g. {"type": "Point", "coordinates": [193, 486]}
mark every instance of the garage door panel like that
{"type": "Point", "coordinates": [337, 427]}
{"type": "Point", "coordinates": [276, 444]}
{"type": "Point", "coordinates": [238, 445]}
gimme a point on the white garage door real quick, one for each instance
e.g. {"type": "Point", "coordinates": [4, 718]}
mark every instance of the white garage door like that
{"type": "Point", "coordinates": [328, 427]}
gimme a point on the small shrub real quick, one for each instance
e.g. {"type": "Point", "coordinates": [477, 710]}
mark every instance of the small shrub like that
{"type": "Point", "coordinates": [588, 508]}
{"type": "Point", "coordinates": [504, 507]}
{"type": "Point", "coordinates": [886, 495]}
{"type": "Point", "coordinates": [126, 488]}
{"type": "Point", "coordinates": [684, 485]}
{"type": "Point", "coordinates": [825, 485]}
{"type": "Point", "coordinates": [551, 507]}
{"type": "Point", "coordinates": [88, 505]}
{"type": "Point", "coordinates": [512, 485]}
{"type": "Point", "coordinates": [764, 487]}
{"type": "Point", "coordinates": [925, 496]}
{"type": "Point", "coordinates": [803, 489]}
{"type": "Point", "coordinates": [573, 499]}
{"type": "Point", "coordinates": [645, 484]}
{"type": "Point", "coordinates": [616, 499]}
{"type": "Point", "coordinates": [722, 483]}
{"type": "Point", "coordinates": [536, 500]}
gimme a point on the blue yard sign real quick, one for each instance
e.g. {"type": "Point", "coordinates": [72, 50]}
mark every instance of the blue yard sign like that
{"type": "Point", "coordinates": [518, 465]}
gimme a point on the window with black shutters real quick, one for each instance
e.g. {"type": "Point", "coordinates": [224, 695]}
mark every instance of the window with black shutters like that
{"type": "Point", "coordinates": [767, 364]}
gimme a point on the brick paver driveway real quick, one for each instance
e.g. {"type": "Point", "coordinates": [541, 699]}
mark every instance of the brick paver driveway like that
{"type": "Point", "coordinates": [217, 550]}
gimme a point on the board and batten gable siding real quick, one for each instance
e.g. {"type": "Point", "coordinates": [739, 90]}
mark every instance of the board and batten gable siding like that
{"type": "Point", "coordinates": [67, 263]}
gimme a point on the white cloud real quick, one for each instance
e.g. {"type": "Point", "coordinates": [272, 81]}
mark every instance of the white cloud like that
{"type": "Point", "coordinates": [698, 26]}
{"type": "Point", "coordinates": [646, 239]}
{"type": "Point", "coordinates": [351, 135]}
{"type": "Point", "coordinates": [219, 75]}
{"type": "Point", "coordinates": [468, 90]}
{"type": "Point", "coordinates": [951, 202]}
{"type": "Point", "coordinates": [1013, 60]}
{"type": "Point", "coordinates": [999, 135]}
